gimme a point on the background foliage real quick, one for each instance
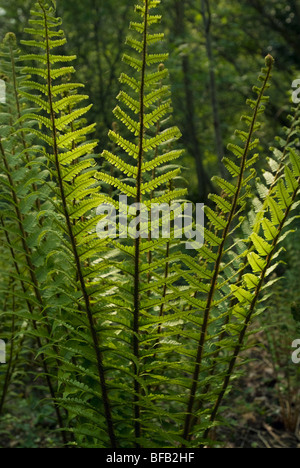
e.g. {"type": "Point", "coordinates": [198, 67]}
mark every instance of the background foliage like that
{"type": "Point", "coordinates": [242, 33]}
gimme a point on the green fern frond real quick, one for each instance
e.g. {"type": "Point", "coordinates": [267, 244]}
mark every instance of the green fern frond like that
{"type": "Point", "coordinates": [74, 182]}
{"type": "Point", "coordinates": [222, 226]}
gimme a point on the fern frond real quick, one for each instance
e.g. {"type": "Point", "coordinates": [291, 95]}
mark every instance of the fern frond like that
{"type": "Point", "coordinates": [19, 219]}
{"type": "Point", "coordinates": [73, 188]}
{"type": "Point", "coordinates": [223, 226]}
{"type": "Point", "coordinates": [260, 260]}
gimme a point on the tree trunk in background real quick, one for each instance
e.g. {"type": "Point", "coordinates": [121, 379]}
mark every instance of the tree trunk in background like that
{"type": "Point", "coordinates": [206, 16]}
{"type": "Point", "coordinates": [191, 138]}
{"type": "Point", "coordinates": [190, 128]}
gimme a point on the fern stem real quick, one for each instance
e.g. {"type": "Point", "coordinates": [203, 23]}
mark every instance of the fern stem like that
{"type": "Point", "coordinates": [136, 317]}
{"type": "Point", "coordinates": [153, 175]}
{"type": "Point", "coordinates": [99, 358]}
{"type": "Point", "coordinates": [203, 333]}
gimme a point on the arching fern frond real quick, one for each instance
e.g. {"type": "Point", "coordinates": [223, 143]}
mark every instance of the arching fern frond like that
{"type": "Point", "coordinates": [22, 199]}
{"type": "Point", "coordinates": [223, 227]}
{"type": "Point", "coordinates": [69, 158]}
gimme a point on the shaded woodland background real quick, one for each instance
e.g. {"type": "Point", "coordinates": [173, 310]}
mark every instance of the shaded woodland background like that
{"type": "Point", "coordinates": [216, 50]}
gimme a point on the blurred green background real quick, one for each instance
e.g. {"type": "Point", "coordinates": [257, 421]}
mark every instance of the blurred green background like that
{"type": "Point", "coordinates": [216, 49]}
